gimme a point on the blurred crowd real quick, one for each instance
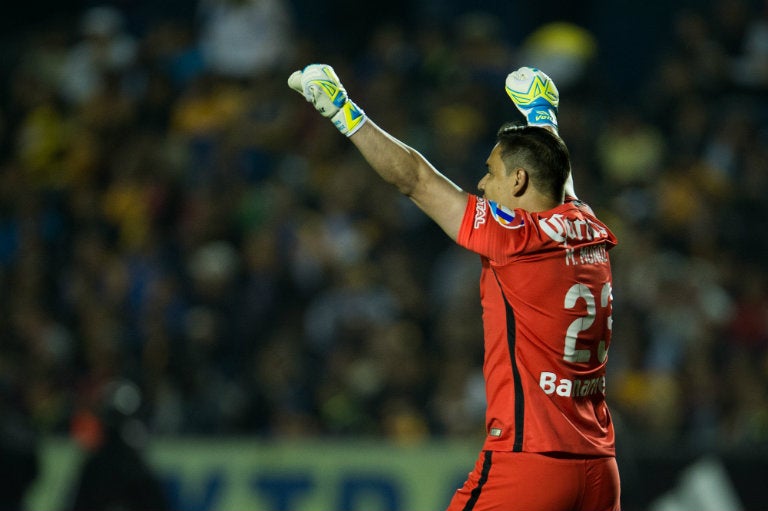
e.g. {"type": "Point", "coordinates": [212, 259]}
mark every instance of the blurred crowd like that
{"type": "Point", "coordinates": [171, 213]}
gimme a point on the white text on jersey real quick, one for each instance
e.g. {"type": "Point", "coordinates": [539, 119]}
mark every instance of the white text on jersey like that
{"type": "Point", "coordinates": [559, 229]}
{"type": "Point", "coordinates": [593, 254]}
{"type": "Point", "coordinates": [550, 384]}
{"type": "Point", "coordinates": [480, 212]}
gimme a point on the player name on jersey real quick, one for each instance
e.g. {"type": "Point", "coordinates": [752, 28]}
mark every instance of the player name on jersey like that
{"type": "Point", "coordinates": [593, 254]}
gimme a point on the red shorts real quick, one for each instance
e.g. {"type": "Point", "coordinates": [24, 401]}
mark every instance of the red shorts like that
{"type": "Point", "coordinates": [523, 481]}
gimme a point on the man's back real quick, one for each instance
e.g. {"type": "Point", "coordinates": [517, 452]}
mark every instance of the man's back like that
{"type": "Point", "coordinates": [546, 295]}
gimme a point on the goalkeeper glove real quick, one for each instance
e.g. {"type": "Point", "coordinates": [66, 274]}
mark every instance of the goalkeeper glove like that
{"type": "Point", "coordinates": [535, 96]}
{"type": "Point", "coordinates": [321, 87]}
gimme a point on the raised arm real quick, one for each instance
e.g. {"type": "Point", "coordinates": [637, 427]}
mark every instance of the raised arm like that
{"type": "Point", "coordinates": [396, 162]}
{"type": "Point", "coordinates": [535, 95]}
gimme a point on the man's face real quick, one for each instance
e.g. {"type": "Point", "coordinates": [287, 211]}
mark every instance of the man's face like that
{"type": "Point", "coordinates": [496, 185]}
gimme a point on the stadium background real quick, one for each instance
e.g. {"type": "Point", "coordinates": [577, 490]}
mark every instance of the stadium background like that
{"type": "Point", "coordinates": [300, 337]}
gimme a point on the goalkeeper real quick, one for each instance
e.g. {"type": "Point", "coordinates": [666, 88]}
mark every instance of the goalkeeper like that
{"type": "Point", "coordinates": [545, 289]}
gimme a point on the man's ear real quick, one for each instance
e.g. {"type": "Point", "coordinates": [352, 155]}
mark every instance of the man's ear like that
{"type": "Point", "coordinates": [519, 181]}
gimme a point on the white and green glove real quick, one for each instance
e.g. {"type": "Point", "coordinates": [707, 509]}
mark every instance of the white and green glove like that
{"type": "Point", "coordinates": [535, 96]}
{"type": "Point", "coordinates": [321, 87]}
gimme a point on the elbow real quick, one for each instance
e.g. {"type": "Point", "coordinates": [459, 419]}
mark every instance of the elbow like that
{"type": "Point", "coordinates": [407, 187]}
{"type": "Point", "coordinates": [413, 177]}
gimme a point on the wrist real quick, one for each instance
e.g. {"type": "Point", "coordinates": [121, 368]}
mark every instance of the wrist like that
{"type": "Point", "coordinates": [349, 118]}
{"type": "Point", "coordinates": [543, 116]}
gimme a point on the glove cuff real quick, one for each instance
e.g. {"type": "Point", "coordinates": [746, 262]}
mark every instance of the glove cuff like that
{"type": "Point", "coordinates": [349, 118]}
{"type": "Point", "coordinates": [541, 116]}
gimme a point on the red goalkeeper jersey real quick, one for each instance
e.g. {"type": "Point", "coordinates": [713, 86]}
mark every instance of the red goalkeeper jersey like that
{"type": "Point", "coordinates": [545, 289]}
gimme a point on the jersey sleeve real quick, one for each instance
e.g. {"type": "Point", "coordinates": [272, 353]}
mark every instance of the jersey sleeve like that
{"type": "Point", "coordinates": [492, 230]}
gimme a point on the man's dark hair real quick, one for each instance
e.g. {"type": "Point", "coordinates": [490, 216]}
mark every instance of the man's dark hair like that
{"type": "Point", "coordinates": [540, 152]}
